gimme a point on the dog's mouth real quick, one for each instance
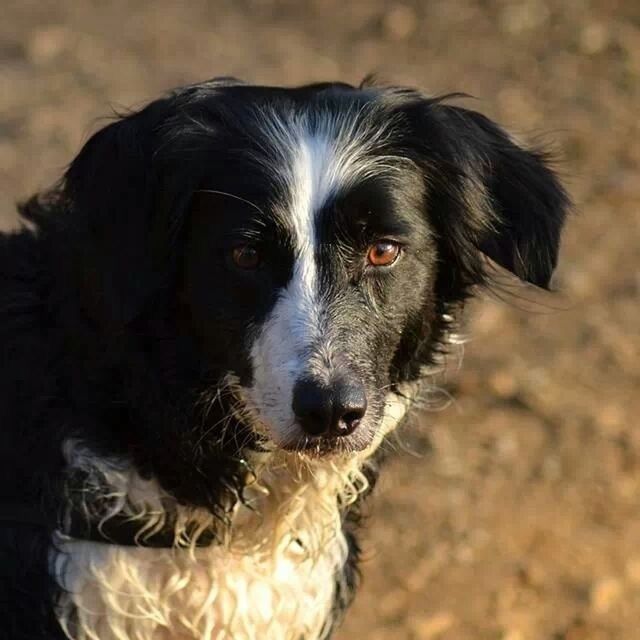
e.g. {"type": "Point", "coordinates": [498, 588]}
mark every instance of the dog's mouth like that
{"type": "Point", "coordinates": [260, 444]}
{"type": "Point", "coordinates": [324, 446]}
{"type": "Point", "coordinates": [306, 446]}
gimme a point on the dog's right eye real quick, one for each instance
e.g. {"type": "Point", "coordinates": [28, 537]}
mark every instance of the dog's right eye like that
{"type": "Point", "coordinates": [246, 257]}
{"type": "Point", "coordinates": [383, 253]}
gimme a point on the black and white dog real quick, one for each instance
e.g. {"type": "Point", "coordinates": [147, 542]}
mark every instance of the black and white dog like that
{"type": "Point", "coordinates": [209, 326]}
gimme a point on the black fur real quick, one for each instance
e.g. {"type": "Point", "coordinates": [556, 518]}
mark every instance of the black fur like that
{"type": "Point", "coordinates": [113, 329]}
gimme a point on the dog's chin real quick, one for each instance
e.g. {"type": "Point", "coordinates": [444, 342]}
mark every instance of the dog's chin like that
{"type": "Point", "coordinates": [313, 447]}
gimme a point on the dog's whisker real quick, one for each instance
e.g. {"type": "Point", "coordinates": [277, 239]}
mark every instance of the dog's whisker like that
{"type": "Point", "coordinates": [232, 195]}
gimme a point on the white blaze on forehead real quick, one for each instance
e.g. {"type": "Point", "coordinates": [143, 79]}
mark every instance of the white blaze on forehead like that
{"type": "Point", "coordinates": [313, 160]}
{"type": "Point", "coordinates": [319, 169]}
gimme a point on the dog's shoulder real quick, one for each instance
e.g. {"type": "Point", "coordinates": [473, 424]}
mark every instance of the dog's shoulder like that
{"type": "Point", "coordinates": [22, 343]}
{"type": "Point", "coordinates": [25, 349]}
{"type": "Point", "coordinates": [32, 408]}
{"type": "Point", "coordinates": [23, 329]}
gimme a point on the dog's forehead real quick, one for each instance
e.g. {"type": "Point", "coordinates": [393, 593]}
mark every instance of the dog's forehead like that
{"type": "Point", "coordinates": [291, 159]}
{"type": "Point", "coordinates": [311, 153]}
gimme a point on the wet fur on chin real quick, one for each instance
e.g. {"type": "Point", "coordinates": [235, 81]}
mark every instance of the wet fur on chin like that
{"type": "Point", "coordinates": [152, 379]}
{"type": "Point", "coordinates": [277, 571]}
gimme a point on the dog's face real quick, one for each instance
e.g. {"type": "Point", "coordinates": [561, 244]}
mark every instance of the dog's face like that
{"type": "Point", "coordinates": [314, 240]}
{"type": "Point", "coordinates": [304, 265]}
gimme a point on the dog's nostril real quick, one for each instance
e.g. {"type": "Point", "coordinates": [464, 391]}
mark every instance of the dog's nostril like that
{"type": "Point", "coordinates": [349, 421]}
{"type": "Point", "coordinates": [350, 407]}
{"type": "Point", "coordinates": [334, 410]}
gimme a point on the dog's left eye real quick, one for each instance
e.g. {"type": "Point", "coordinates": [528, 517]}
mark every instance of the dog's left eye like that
{"type": "Point", "coordinates": [246, 257]}
{"type": "Point", "coordinates": [383, 253]}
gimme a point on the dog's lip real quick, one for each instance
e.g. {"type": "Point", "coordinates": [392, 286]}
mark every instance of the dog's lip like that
{"type": "Point", "coordinates": [308, 446]}
{"type": "Point", "coordinates": [260, 446]}
{"type": "Point", "coordinates": [322, 446]}
{"type": "Point", "coordinates": [313, 446]}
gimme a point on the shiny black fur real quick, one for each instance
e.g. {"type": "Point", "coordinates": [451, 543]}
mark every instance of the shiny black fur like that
{"type": "Point", "coordinates": [104, 330]}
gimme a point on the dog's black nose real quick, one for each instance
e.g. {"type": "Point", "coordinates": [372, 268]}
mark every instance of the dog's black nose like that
{"type": "Point", "coordinates": [334, 410]}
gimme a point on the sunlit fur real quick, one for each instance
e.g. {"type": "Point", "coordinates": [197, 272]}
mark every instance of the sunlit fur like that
{"type": "Point", "coordinates": [272, 577]}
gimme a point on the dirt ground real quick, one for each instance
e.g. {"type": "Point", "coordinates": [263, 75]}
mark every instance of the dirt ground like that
{"type": "Point", "coordinates": [514, 514]}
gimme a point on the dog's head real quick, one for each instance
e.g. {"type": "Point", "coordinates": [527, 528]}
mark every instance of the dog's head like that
{"type": "Point", "coordinates": [311, 242]}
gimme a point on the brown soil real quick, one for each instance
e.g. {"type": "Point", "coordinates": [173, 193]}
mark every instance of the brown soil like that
{"type": "Point", "coordinates": [517, 516]}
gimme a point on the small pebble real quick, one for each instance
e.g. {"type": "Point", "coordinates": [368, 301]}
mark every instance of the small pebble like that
{"type": "Point", "coordinates": [400, 22]}
{"type": "Point", "coordinates": [604, 594]}
{"type": "Point", "coordinates": [431, 627]}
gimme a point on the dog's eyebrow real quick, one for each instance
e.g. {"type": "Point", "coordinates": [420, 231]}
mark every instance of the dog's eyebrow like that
{"type": "Point", "coordinates": [277, 219]}
{"type": "Point", "coordinates": [232, 195]}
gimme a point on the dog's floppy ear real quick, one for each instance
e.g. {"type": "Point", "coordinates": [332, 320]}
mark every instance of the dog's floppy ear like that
{"type": "Point", "coordinates": [500, 199]}
{"type": "Point", "coordinates": [109, 188]}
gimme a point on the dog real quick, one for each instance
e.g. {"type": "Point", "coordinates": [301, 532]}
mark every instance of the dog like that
{"type": "Point", "coordinates": [208, 328]}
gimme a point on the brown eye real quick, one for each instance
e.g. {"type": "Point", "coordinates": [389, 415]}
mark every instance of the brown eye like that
{"type": "Point", "coordinates": [383, 253]}
{"type": "Point", "coordinates": [246, 257]}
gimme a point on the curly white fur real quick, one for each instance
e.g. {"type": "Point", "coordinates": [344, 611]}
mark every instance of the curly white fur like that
{"type": "Point", "coordinates": [273, 576]}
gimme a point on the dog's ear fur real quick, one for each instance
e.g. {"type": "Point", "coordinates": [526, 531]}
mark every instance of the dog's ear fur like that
{"type": "Point", "coordinates": [117, 200]}
{"type": "Point", "coordinates": [489, 196]}
{"type": "Point", "coordinates": [109, 192]}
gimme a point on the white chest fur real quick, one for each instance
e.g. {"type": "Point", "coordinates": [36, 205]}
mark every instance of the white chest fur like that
{"type": "Point", "coordinates": [273, 577]}
{"type": "Point", "coordinates": [150, 594]}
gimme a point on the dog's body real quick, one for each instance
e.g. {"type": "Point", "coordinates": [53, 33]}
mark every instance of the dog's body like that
{"type": "Point", "coordinates": [212, 324]}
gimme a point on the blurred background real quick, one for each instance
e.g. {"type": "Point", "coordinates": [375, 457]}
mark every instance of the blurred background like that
{"type": "Point", "coordinates": [515, 512]}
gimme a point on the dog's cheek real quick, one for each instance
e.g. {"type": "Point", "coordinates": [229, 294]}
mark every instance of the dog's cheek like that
{"type": "Point", "coordinates": [409, 328]}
